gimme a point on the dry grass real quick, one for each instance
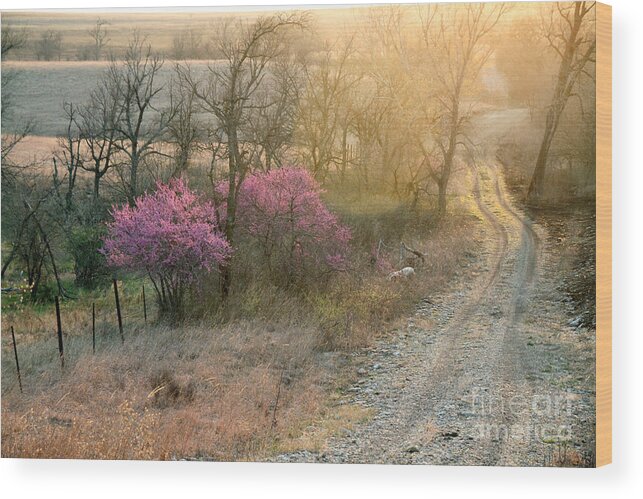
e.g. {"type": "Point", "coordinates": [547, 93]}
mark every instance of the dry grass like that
{"type": "Point", "coordinates": [166, 394]}
{"type": "Point", "coordinates": [314, 436]}
{"type": "Point", "coordinates": [208, 390]}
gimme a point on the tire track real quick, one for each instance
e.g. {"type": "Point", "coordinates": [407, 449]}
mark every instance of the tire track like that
{"type": "Point", "coordinates": [473, 347]}
{"type": "Point", "coordinates": [494, 222]}
{"type": "Point", "coordinates": [512, 385]}
{"type": "Point", "coordinates": [438, 381]}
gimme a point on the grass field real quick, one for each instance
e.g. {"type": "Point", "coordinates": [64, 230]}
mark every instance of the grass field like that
{"type": "Point", "coordinates": [160, 26]}
{"type": "Point", "coordinates": [39, 89]}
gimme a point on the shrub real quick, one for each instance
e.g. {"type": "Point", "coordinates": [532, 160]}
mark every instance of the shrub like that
{"type": "Point", "coordinates": [282, 214]}
{"type": "Point", "coordinates": [168, 391]}
{"type": "Point", "coordinates": [172, 236]}
{"type": "Point", "coordinates": [89, 263]}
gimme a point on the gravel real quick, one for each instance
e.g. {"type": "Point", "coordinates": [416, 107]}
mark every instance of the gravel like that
{"type": "Point", "coordinates": [491, 372]}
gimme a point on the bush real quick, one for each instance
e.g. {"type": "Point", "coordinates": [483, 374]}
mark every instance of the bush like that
{"type": "Point", "coordinates": [90, 266]}
{"type": "Point", "coordinates": [172, 236]}
{"type": "Point", "coordinates": [293, 233]}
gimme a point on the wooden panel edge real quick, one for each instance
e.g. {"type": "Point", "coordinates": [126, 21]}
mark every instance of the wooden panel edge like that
{"type": "Point", "coordinates": [603, 234]}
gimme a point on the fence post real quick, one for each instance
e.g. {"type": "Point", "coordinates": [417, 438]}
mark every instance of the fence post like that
{"type": "Point", "coordinates": [93, 328]}
{"type": "Point", "coordinates": [144, 306]}
{"type": "Point", "coordinates": [118, 312]}
{"type": "Point", "coordinates": [15, 352]}
{"type": "Point", "coordinates": [60, 334]}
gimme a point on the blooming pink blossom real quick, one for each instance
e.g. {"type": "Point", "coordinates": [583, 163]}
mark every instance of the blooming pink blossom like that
{"type": "Point", "coordinates": [282, 211]}
{"type": "Point", "coordinates": [169, 234]}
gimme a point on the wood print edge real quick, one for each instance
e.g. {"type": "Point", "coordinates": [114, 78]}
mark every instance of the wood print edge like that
{"type": "Point", "coordinates": [603, 234]}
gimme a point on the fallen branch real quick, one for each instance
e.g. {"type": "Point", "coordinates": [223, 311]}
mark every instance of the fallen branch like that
{"type": "Point", "coordinates": [415, 252]}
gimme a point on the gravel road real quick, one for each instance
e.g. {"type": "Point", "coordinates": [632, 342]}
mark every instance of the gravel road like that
{"type": "Point", "coordinates": [489, 373]}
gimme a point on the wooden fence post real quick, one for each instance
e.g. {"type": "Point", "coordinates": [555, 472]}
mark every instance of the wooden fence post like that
{"type": "Point", "coordinates": [60, 334]}
{"type": "Point", "coordinates": [118, 312]}
{"type": "Point", "coordinates": [15, 352]}
{"type": "Point", "coordinates": [144, 306]}
{"type": "Point", "coordinates": [93, 328]}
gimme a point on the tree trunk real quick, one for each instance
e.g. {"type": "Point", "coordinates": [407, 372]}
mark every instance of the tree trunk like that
{"type": "Point", "coordinates": [443, 183]}
{"type": "Point", "coordinates": [231, 208]}
{"type": "Point", "coordinates": [182, 161]}
{"type": "Point", "coordinates": [537, 184]}
{"type": "Point", "coordinates": [568, 72]}
{"type": "Point", "coordinates": [442, 199]}
{"type": "Point", "coordinates": [133, 176]}
{"type": "Point", "coordinates": [96, 183]}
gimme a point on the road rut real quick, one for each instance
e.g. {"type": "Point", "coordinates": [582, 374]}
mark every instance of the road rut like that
{"type": "Point", "coordinates": [463, 383]}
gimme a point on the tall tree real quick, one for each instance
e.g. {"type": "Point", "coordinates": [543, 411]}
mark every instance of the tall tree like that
{"type": "Point", "coordinates": [12, 39]}
{"type": "Point", "coordinates": [98, 34]}
{"type": "Point", "coordinates": [453, 38]}
{"type": "Point", "coordinates": [228, 94]}
{"type": "Point", "coordinates": [272, 124]}
{"type": "Point", "coordinates": [392, 53]}
{"type": "Point", "coordinates": [569, 31]}
{"type": "Point", "coordinates": [323, 104]}
{"type": "Point", "coordinates": [184, 129]}
{"type": "Point", "coordinates": [69, 156]}
{"type": "Point", "coordinates": [142, 122]}
{"type": "Point", "coordinates": [97, 123]}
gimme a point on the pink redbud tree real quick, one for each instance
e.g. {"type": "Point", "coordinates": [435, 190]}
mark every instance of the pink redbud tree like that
{"type": "Point", "coordinates": [282, 214]}
{"type": "Point", "coordinates": [172, 236]}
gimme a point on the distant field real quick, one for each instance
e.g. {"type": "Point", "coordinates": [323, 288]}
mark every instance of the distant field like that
{"type": "Point", "coordinates": [160, 27]}
{"type": "Point", "coordinates": [39, 90]}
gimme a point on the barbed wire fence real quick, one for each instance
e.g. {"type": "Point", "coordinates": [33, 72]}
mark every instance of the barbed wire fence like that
{"type": "Point", "coordinates": [100, 324]}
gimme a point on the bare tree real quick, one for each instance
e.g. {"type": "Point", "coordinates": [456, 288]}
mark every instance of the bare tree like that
{"type": "Point", "coordinates": [453, 39]}
{"type": "Point", "coordinates": [69, 155]}
{"type": "Point", "coordinates": [228, 95]}
{"type": "Point", "coordinates": [49, 45]}
{"type": "Point", "coordinates": [188, 44]}
{"type": "Point", "coordinates": [272, 124]}
{"type": "Point", "coordinates": [369, 112]}
{"type": "Point", "coordinates": [323, 104]}
{"type": "Point", "coordinates": [31, 234]}
{"type": "Point", "coordinates": [98, 34]}
{"type": "Point", "coordinates": [184, 129]}
{"type": "Point", "coordinates": [17, 229]}
{"type": "Point", "coordinates": [142, 123]}
{"type": "Point", "coordinates": [12, 39]}
{"type": "Point", "coordinates": [11, 168]}
{"type": "Point", "coordinates": [392, 53]}
{"type": "Point", "coordinates": [569, 33]}
{"type": "Point", "coordinates": [97, 124]}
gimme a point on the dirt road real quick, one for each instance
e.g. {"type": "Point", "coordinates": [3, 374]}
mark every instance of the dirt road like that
{"type": "Point", "coordinates": [490, 373]}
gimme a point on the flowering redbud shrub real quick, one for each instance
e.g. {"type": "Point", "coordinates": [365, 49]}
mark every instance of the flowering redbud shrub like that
{"type": "Point", "coordinates": [281, 213]}
{"type": "Point", "coordinates": [172, 236]}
